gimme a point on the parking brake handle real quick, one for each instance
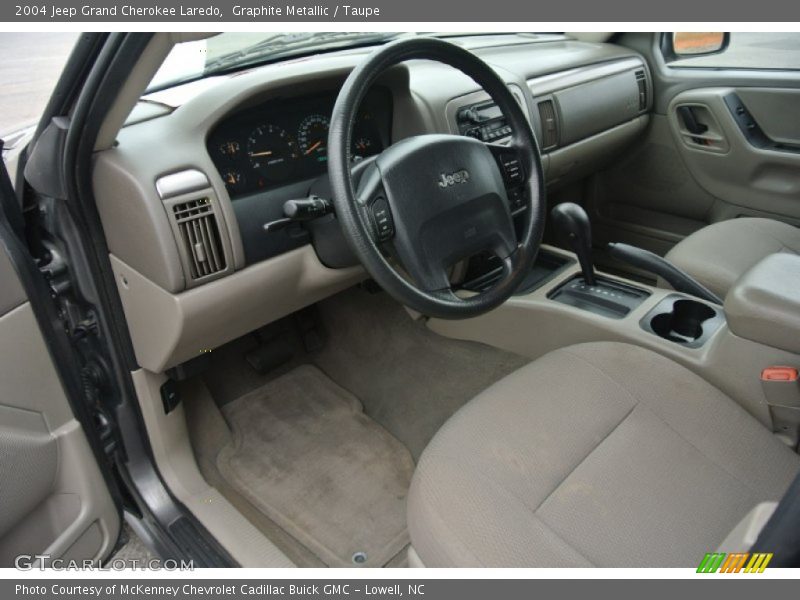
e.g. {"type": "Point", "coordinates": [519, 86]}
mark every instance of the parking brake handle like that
{"type": "Point", "coordinates": [680, 280]}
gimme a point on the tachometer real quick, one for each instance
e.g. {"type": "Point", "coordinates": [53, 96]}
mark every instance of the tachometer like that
{"type": "Point", "coordinates": [313, 137]}
{"type": "Point", "coordinates": [272, 152]}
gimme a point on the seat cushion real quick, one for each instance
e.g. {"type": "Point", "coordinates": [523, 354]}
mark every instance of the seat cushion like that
{"type": "Point", "coordinates": [601, 454]}
{"type": "Point", "coordinates": [719, 254]}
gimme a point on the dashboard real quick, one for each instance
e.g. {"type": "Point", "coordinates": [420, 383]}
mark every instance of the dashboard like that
{"type": "Point", "coordinates": [285, 140]}
{"type": "Point", "coordinates": [185, 188]}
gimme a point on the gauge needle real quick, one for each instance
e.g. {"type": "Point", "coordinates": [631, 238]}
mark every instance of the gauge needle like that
{"type": "Point", "coordinates": [313, 147]}
{"type": "Point", "coordinates": [264, 153]}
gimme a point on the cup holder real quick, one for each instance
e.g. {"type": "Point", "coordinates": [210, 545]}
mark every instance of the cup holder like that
{"type": "Point", "coordinates": [683, 321]}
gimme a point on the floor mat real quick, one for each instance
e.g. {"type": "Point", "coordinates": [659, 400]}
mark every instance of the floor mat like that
{"type": "Point", "coordinates": [305, 454]}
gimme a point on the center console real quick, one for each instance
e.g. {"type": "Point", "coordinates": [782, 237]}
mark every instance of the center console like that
{"type": "Point", "coordinates": [483, 121]}
{"type": "Point", "coordinates": [683, 320]}
{"type": "Point", "coordinates": [764, 304]}
{"type": "Point", "coordinates": [606, 297]}
{"type": "Point", "coordinates": [744, 347]}
{"type": "Point", "coordinates": [484, 270]}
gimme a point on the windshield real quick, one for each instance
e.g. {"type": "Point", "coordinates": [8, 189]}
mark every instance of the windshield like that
{"type": "Point", "coordinates": [233, 51]}
{"type": "Point", "coordinates": [230, 51]}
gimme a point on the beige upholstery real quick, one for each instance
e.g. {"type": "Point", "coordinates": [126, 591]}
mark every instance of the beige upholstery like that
{"type": "Point", "coordinates": [601, 454]}
{"type": "Point", "coordinates": [718, 254]}
{"type": "Point", "coordinates": [764, 304]}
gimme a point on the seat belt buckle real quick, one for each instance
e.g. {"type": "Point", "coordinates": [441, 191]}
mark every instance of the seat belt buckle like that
{"type": "Point", "coordinates": [781, 387]}
{"type": "Point", "coordinates": [787, 374]}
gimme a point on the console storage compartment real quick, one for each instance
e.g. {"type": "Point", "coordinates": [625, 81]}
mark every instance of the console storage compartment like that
{"type": "Point", "coordinates": [764, 304]}
{"type": "Point", "coordinates": [484, 271]}
{"type": "Point", "coordinates": [683, 320]}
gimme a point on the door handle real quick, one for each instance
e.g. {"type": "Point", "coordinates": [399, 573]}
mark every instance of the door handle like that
{"type": "Point", "coordinates": [691, 122]}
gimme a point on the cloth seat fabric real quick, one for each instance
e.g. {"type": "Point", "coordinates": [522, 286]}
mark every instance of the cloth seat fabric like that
{"type": "Point", "coordinates": [600, 454]}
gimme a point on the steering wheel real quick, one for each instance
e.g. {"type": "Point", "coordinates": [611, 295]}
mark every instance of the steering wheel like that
{"type": "Point", "coordinates": [429, 201]}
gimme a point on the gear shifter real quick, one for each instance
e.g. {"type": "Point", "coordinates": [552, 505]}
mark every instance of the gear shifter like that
{"type": "Point", "coordinates": [573, 226]}
{"type": "Point", "coordinates": [597, 294]}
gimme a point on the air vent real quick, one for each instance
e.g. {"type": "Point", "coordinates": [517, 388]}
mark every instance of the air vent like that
{"type": "Point", "coordinates": [641, 81]}
{"type": "Point", "coordinates": [197, 226]}
{"type": "Point", "coordinates": [547, 118]}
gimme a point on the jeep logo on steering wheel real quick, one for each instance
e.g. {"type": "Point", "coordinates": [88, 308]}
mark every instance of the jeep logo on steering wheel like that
{"type": "Point", "coordinates": [447, 179]}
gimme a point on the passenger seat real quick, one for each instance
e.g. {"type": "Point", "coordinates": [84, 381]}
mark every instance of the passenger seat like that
{"type": "Point", "coordinates": [717, 255]}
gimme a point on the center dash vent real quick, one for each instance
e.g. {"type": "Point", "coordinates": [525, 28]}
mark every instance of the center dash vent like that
{"type": "Point", "coordinates": [641, 81]}
{"type": "Point", "coordinates": [199, 234]}
{"type": "Point", "coordinates": [547, 118]}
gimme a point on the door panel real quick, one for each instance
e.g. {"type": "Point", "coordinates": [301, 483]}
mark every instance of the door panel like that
{"type": "Point", "coordinates": [733, 168]}
{"type": "Point", "coordinates": [677, 180]}
{"type": "Point", "coordinates": [53, 498]}
{"type": "Point", "coordinates": [776, 110]}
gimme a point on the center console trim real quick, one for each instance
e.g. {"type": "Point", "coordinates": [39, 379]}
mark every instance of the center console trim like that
{"type": "Point", "coordinates": [708, 327]}
{"type": "Point", "coordinates": [532, 325]}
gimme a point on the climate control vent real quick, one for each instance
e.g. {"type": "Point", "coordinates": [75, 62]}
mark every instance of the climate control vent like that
{"type": "Point", "coordinates": [199, 234]}
{"type": "Point", "coordinates": [547, 119]}
{"type": "Point", "coordinates": [641, 81]}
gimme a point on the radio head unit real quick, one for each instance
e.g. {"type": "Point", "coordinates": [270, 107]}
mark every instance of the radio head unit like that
{"type": "Point", "coordinates": [482, 121]}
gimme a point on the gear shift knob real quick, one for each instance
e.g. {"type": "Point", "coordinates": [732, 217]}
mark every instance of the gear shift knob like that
{"type": "Point", "coordinates": [573, 226]}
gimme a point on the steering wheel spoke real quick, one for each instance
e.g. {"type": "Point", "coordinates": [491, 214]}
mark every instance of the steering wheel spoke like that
{"type": "Point", "coordinates": [511, 163]}
{"type": "Point", "coordinates": [373, 205]}
{"type": "Point", "coordinates": [431, 277]}
{"type": "Point", "coordinates": [510, 160]}
{"type": "Point", "coordinates": [370, 183]}
{"type": "Point", "coordinates": [379, 216]}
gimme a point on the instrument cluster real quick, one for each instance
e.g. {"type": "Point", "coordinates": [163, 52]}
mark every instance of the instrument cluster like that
{"type": "Point", "coordinates": [285, 141]}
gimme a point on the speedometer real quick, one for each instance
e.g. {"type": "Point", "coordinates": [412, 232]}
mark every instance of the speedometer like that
{"type": "Point", "coordinates": [312, 136]}
{"type": "Point", "coordinates": [272, 152]}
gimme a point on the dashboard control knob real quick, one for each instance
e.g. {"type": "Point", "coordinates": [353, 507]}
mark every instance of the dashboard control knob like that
{"type": "Point", "coordinates": [309, 208]}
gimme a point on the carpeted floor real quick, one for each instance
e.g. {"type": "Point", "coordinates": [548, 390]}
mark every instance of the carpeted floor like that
{"type": "Point", "coordinates": [410, 379]}
{"type": "Point", "coordinates": [305, 454]}
{"type": "Point", "coordinates": [133, 551]}
{"type": "Point", "coordinates": [295, 453]}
